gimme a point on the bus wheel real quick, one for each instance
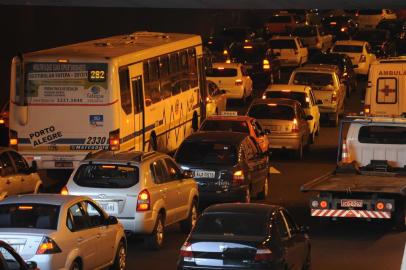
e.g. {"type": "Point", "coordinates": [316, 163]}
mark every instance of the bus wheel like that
{"type": "Point", "coordinates": [153, 145]}
{"type": "Point", "coordinates": [195, 122]}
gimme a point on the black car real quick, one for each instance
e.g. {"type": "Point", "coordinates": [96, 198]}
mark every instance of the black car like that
{"type": "Point", "coordinates": [246, 236]}
{"type": "Point", "coordinates": [381, 43]}
{"type": "Point", "coordinates": [396, 27]}
{"type": "Point", "coordinates": [258, 59]}
{"type": "Point", "coordinates": [11, 260]}
{"type": "Point", "coordinates": [344, 64]}
{"type": "Point", "coordinates": [342, 27]}
{"type": "Point", "coordinates": [401, 47]}
{"type": "Point", "coordinates": [228, 166]}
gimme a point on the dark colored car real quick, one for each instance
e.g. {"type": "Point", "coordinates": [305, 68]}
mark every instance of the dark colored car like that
{"type": "Point", "coordinates": [401, 47]}
{"type": "Point", "coordinates": [246, 236]}
{"type": "Point", "coordinates": [228, 166]}
{"type": "Point", "coordinates": [218, 43]}
{"type": "Point", "coordinates": [381, 43]}
{"type": "Point", "coordinates": [342, 27]}
{"type": "Point", "coordinates": [344, 64]}
{"type": "Point", "coordinates": [11, 260]}
{"type": "Point", "coordinates": [258, 59]}
{"type": "Point", "coordinates": [396, 27]}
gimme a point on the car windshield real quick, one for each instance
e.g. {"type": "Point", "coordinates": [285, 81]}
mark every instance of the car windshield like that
{"type": "Point", "coordinates": [206, 152]}
{"type": "Point", "coordinates": [221, 72]}
{"type": "Point", "coordinates": [29, 216]}
{"type": "Point", "coordinates": [299, 96]}
{"type": "Point", "coordinates": [314, 79]}
{"type": "Point", "coordinates": [279, 19]}
{"type": "Point", "coordinates": [272, 111]}
{"type": "Point", "coordinates": [106, 176]}
{"type": "Point", "coordinates": [307, 31]}
{"type": "Point", "coordinates": [347, 48]}
{"type": "Point", "coordinates": [372, 36]}
{"type": "Point", "coordinates": [231, 225]}
{"type": "Point", "coordinates": [370, 12]}
{"type": "Point", "coordinates": [224, 125]}
{"type": "Point", "coordinates": [282, 44]}
{"type": "Point", "coordinates": [382, 135]}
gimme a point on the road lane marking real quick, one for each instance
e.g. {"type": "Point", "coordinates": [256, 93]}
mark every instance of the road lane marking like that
{"type": "Point", "coordinates": [403, 266]}
{"type": "Point", "coordinates": [273, 170]}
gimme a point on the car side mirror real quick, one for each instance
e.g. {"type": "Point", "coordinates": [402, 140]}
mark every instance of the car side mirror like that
{"type": "Point", "coordinates": [187, 174]}
{"type": "Point", "coordinates": [32, 265]}
{"type": "Point", "coordinates": [319, 102]}
{"type": "Point", "coordinates": [111, 220]}
{"type": "Point", "coordinates": [308, 117]}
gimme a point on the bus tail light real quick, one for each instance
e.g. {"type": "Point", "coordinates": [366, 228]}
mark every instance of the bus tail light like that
{"type": "Point", "coordinates": [295, 126]}
{"type": "Point", "coordinates": [48, 246]}
{"type": "Point", "coordinates": [238, 178]}
{"type": "Point", "coordinates": [362, 58]}
{"type": "Point", "coordinates": [64, 191]}
{"type": "Point", "coordinates": [143, 201]}
{"type": "Point", "coordinates": [13, 141]}
{"type": "Point", "coordinates": [238, 82]}
{"type": "Point", "coordinates": [114, 140]}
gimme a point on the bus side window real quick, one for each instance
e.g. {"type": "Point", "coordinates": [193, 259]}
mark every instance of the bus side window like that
{"type": "Point", "coordinates": [184, 70]}
{"type": "Point", "coordinates": [152, 94]}
{"type": "Point", "coordinates": [176, 76]}
{"type": "Point", "coordinates": [192, 67]}
{"type": "Point", "coordinates": [164, 77]}
{"type": "Point", "coordinates": [125, 94]}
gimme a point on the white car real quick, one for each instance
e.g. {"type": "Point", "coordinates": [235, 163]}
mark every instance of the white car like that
{"type": "Point", "coordinates": [314, 37]}
{"type": "Point", "coordinates": [370, 18]}
{"type": "Point", "coordinates": [16, 177]}
{"type": "Point", "coordinates": [216, 100]}
{"type": "Point", "coordinates": [305, 96]}
{"type": "Point", "coordinates": [290, 50]}
{"type": "Point", "coordinates": [146, 191]}
{"type": "Point", "coordinates": [327, 87]}
{"type": "Point", "coordinates": [360, 53]}
{"type": "Point", "coordinates": [232, 78]}
{"type": "Point", "coordinates": [62, 232]}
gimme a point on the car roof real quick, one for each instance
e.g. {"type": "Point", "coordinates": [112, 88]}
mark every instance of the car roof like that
{"type": "Point", "coordinates": [350, 42]}
{"type": "Point", "coordinates": [226, 65]}
{"type": "Point", "coordinates": [255, 208]}
{"type": "Point", "coordinates": [233, 138]}
{"type": "Point", "coordinates": [230, 118]}
{"type": "Point", "coordinates": [291, 87]}
{"type": "Point", "coordinates": [121, 157]}
{"type": "Point", "coordinates": [51, 199]}
{"type": "Point", "coordinates": [279, 101]}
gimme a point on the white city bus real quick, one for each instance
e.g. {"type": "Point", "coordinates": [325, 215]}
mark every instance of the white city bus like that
{"type": "Point", "coordinates": [140, 91]}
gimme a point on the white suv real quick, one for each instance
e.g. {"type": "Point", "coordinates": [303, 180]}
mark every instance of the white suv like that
{"type": "Point", "coordinates": [290, 50]}
{"type": "Point", "coordinates": [145, 191]}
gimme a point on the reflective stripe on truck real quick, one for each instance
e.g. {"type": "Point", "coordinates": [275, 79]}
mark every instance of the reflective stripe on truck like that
{"type": "Point", "coordinates": [343, 213]}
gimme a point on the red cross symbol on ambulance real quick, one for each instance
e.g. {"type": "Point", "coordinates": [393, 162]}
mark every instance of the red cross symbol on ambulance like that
{"type": "Point", "coordinates": [386, 90]}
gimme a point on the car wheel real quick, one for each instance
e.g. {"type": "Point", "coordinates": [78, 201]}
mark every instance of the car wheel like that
{"type": "Point", "coordinates": [75, 265]}
{"type": "Point", "coordinates": [307, 265]}
{"type": "Point", "coordinates": [120, 259]}
{"type": "Point", "coordinates": [156, 239]}
{"type": "Point", "coordinates": [246, 198]}
{"type": "Point", "coordinates": [187, 224]}
{"type": "Point", "coordinates": [265, 189]}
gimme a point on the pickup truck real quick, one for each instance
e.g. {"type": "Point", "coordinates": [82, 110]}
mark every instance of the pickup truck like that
{"type": "Point", "coordinates": [369, 181]}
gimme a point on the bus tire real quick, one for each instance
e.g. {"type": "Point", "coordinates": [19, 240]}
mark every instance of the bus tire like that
{"type": "Point", "coordinates": [153, 144]}
{"type": "Point", "coordinates": [195, 122]}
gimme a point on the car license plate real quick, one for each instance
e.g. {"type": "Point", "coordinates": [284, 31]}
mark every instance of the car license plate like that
{"type": "Point", "coordinates": [109, 207]}
{"type": "Point", "coordinates": [204, 174]}
{"type": "Point", "coordinates": [351, 203]}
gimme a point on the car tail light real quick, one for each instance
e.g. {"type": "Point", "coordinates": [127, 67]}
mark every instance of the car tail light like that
{"type": "Point", "coordinates": [143, 201]}
{"type": "Point", "coordinates": [64, 191]}
{"type": "Point", "coordinates": [333, 98]}
{"type": "Point", "coordinates": [114, 140]}
{"type": "Point", "coordinates": [186, 252]}
{"type": "Point", "coordinates": [362, 58]}
{"type": "Point", "coordinates": [238, 82]}
{"type": "Point", "coordinates": [13, 141]}
{"type": "Point", "coordinates": [263, 254]}
{"type": "Point", "coordinates": [48, 246]}
{"type": "Point", "coordinates": [238, 177]}
{"type": "Point", "coordinates": [266, 64]}
{"type": "Point", "coordinates": [367, 109]}
{"type": "Point", "coordinates": [323, 204]}
{"type": "Point", "coordinates": [295, 126]}
{"type": "Point", "coordinates": [225, 52]}
{"type": "Point", "coordinates": [343, 29]}
{"type": "Point", "coordinates": [263, 96]}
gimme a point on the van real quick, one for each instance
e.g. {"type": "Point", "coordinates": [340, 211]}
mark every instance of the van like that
{"type": "Point", "coordinates": [386, 90]}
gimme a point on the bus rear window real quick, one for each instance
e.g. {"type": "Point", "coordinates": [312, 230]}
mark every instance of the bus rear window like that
{"type": "Point", "coordinates": [382, 135]}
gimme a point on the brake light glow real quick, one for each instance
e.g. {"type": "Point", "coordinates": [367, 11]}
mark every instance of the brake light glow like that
{"type": "Point", "coordinates": [247, 47]}
{"type": "Point", "coordinates": [286, 91]}
{"type": "Point", "coordinates": [186, 252]}
{"type": "Point", "coordinates": [343, 29]}
{"type": "Point", "coordinates": [265, 64]}
{"type": "Point", "coordinates": [143, 201]}
{"type": "Point", "coordinates": [333, 23]}
{"type": "Point", "coordinates": [25, 207]}
{"type": "Point", "coordinates": [2, 121]}
{"type": "Point", "coordinates": [63, 60]}
{"type": "Point", "coordinates": [114, 140]}
{"type": "Point", "coordinates": [295, 126]}
{"type": "Point", "coordinates": [64, 191]}
{"type": "Point", "coordinates": [323, 204]}
{"type": "Point", "coordinates": [367, 109]}
{"type": "Point", "coordinates": [238, 177]}
{"type": "Point", "coordinates": [220, 68]}
{"type": "Point", "coordinates": [225, 52]}
{"type": "Point", "coordinates": [238, 82]}
{"type": "Point", "coordinates": [380, 206]}
{"type": "Point", "coordinates": [263, 254]}
{"type": "Point", "coordinates": [13, 141]}
{"type": "Point", "coordinates": [48, 246]}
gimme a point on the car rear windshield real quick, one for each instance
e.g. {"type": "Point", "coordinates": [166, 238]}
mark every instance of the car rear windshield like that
{"type": "Point", "coordinates": [222, 125]}
{"type": "Point", "coordinates": [248, 53]}
{"type": "Point", "coordinates": [370, 12]}
{"type": "Point", "coordinates": [280, 19]}
{"type": "Point", "coordinates": [313, 79]}
{"type": "Point", "coordinates": [106, 176]}
{"type": "Point", "coordinates": [372, 36]}
{"type": "Point", "coordinates": [272, 111]}
{"type": "Point", "coordinates": [299, 96]}
{"type": "Point", "coordinates": [305, 31]}
{"type": "Point", "coordinates": [283, 44]}
{"type": "Point", "coordinates": [347, 48]}
{"type": "Point", "coordinates": [382, 135]}
{"type": "Point", "coordinates": [231, 225]}
{"type": "Point", "coordinates": [329, 59]}
{"type": "Point", "coordinates": [221, 72]}
{"type": "Point", "coordinates": [29, 216]}
{"type": "Point", "coordinates": [201, 152]}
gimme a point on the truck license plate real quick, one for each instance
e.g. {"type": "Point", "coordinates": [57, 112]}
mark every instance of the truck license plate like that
{"type": "Point", "coordinates": [204, 174]}
{"type": "Point", "coordinates": [351, 203]}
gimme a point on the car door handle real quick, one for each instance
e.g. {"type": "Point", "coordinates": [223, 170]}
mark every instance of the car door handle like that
{"type": "Point", "coordinates": [79, 240]}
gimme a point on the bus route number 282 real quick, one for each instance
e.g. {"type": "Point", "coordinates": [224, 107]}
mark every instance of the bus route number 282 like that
{"type": "Point", "coordinates": [96, 140]}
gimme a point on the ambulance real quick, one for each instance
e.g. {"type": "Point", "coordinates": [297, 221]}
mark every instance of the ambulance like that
{"type": "Point", "coordinates": [386, 90]}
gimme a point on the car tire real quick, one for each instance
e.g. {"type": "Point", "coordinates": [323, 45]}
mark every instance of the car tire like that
{"type": "Point", "coordinates": [76, 265]}
{"type": "Point", "coordinates": [187, 224]}
{"type": "Point", "coordinates": [265, 189]}
{"type": "Point", "coordinates": [155, 240]}
{"type": "Point", "coordinates": [120, 259]}
{"type": "Point", "coordinates": [246, 197]}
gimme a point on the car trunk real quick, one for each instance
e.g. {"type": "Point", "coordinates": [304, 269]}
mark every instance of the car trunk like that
{"type": "Point", "coordinates": [25, 241]}
{"type": "Point", "coordinates": [277, 126]}
{"type": "Point", "coordinates": [324, 95]}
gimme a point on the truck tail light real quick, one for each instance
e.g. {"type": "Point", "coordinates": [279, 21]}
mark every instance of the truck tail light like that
{"type": "Point", "coordinates": [323, 204]}
{"type": "Point", "coordinates": [114, 140]}
{"type": "Point", "coordinates": [64, 191]}
{"type": "Point", "coordinates": [238, 177]}
{"type": "Point", "coordinates": [265, 64]}
{"type": "Point", "coordinates": [263, 254]}
{"type": "Point", "coordinates": [48, 246]}
{"type": "Point", "coordinates": [143, 201]}
{"type": "Point", "coordinates": [362, 58]}
{"type": "Point", "coordinates": [380, 206]}
{"type": "Point", "coordinates": [345, 157]}
{"type": "Point", "coordinates": [295, 126]}
{"type": "Point", "coordinates": [186, 252]}
{"type": "Point", "coordinates": [238, 82]}
{"type": "Point", "coordinates": [13, 141]}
